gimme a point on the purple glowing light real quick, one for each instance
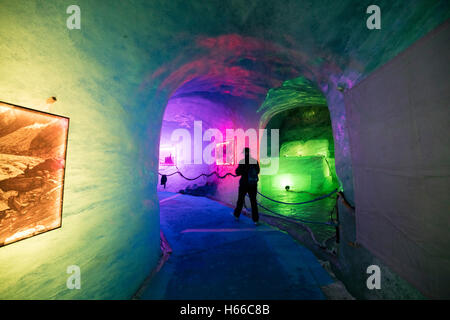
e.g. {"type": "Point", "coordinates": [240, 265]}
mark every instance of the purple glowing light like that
{"type": "Point", "coordinates": [167, 156]}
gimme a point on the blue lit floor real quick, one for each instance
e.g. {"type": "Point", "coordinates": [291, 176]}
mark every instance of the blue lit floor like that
{"type": "Point", "coordinates": [215, 257]}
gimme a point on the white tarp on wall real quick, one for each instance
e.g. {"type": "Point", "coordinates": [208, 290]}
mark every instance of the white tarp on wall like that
{"type": "Point", "coordinates": [398, 121]}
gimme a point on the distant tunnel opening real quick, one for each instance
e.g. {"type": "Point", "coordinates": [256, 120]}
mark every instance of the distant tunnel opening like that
{"type": "Point", "coordinates": [194, 140]}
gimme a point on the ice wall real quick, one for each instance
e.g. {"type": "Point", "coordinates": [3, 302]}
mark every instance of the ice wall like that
{"type": "Point", "coordinates": [110, 225]}
{"type": "Point", "coordinates": [401, 171]}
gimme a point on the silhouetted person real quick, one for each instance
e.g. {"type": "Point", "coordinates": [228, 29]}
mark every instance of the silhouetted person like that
{"type": "Point", "coordinates": [248, 169]}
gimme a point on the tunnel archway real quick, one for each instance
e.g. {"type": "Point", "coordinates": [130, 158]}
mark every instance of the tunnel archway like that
{"type": "Point", "coordinates": [234, 75]}
{"type": "Point", "coordinates": [306, 154]}
{"type": "Point", "coordinates": [297, 108]}
{"type": "Point", "coordinates": [246, 67]}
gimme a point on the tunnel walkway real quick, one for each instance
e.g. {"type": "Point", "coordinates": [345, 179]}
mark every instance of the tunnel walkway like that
{"type": "Point", "coordinates": [216, 257]}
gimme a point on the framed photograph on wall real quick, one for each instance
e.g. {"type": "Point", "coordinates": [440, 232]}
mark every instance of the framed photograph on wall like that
{"type": "Point", "coordinates": [33, 148]}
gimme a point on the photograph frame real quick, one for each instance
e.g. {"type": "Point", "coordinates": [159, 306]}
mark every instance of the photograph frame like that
{"type": "Point", "coordinates": [63, 176]}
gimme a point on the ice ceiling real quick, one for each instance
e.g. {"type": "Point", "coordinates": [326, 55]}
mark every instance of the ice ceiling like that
{"type": "Point", "coordinates": [245, 49]}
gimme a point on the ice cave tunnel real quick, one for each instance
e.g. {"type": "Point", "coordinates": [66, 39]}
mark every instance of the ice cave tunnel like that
{"type": "Point", "coordinates": [326, 105]}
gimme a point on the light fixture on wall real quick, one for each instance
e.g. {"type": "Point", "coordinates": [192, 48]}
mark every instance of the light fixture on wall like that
{"type": "Point", "coordinates": [51, 100]}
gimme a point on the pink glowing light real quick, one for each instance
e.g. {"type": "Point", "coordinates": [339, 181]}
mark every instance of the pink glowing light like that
{"type": "Point", "coordinates": [167, 156]}
{"type": "Point", "coordinates": [225, 153]}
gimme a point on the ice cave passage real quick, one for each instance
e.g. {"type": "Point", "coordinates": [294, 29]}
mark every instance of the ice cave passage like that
{"type": "Point", "coordinates": [352, 117]}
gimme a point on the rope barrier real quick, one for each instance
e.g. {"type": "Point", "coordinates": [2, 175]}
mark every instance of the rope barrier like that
{"type": "Point", "coordinates": [297, 219]}
{"type": "Point", "coordinates": [258, 203]}
{"type": "Point", "coordinates": [311, 233]}
{"type": "Point", "coordinates": [298, 203]}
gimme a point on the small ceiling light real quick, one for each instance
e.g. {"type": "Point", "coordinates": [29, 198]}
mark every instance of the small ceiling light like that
{"type": "Point", "coordinates": [341, 87]}
{"type": "Point", "coordinates": [51, 100]}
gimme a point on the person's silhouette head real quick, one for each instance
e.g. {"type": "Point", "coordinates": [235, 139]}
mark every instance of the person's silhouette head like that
{"type": "Point", "coordinates": [247, 157]}
{"type": "Point", "coordinates": [247, 152]}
